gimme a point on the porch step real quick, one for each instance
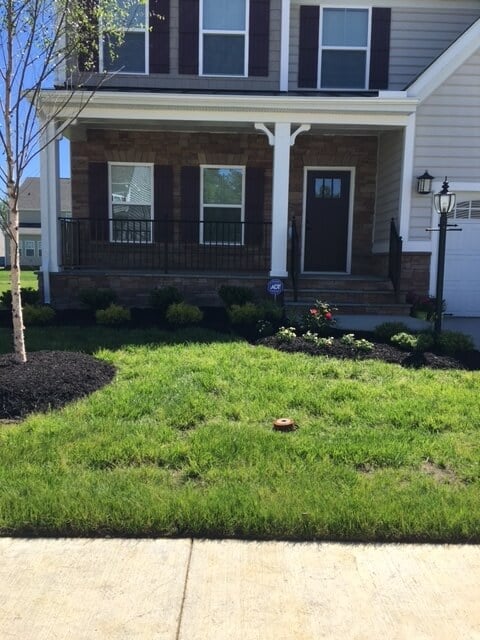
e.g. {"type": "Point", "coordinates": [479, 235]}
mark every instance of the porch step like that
{"type": "Point", "coordinates": [338, 282]}
{"type": "Point", "coordinates": [361, 309]}
{"type": "Point", "coordinates": [342, 296]}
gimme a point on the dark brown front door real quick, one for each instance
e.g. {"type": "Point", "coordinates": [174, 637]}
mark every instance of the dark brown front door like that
{"type": "Point", "coordinates": [326, 221]}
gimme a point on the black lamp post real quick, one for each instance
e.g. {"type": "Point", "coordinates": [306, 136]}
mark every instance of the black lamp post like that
{"type": "Point", "coordinates": [444, 202]}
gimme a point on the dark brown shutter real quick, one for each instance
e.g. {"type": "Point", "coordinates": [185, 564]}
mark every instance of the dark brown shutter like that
{"type": "Point", "coordinates": [188, 36]}
{"type": "Point", "coordinates": [190, 203]}
{"type": "Point", "coordinates": [159, 36]}
{"type": "Point", "coordinates": [163, 203]}
{"type": "Point", "coordinates": [254, 205]}
{"type": "Point", "coordinates": [88, 58]}
{"type": "Point", "coordinates": [98, 205]}
{"type": "Point", "coordinates": [259, 37]}
{"type": "Point", "coordinates": [380, 48]}
{"type": "Point", "coordinates": [308, 47]}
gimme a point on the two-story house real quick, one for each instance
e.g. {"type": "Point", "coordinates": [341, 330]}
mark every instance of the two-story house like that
{"type": "Point", "coordinates": [246, 139]}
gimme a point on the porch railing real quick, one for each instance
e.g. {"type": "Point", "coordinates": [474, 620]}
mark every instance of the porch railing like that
{"type": "Point", "coordinates": [395, 257]}
{"type": "Point", "coordinates": [165, 245]}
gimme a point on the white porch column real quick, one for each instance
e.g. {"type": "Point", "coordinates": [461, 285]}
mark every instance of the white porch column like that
{"type": "Point", "coordinates": [49, 205]}
{"type": "Point", "coordinates": [281, 179]}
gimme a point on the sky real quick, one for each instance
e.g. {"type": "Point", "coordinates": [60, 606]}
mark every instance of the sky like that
{"type": "Point", "coordinates": [33, 169]}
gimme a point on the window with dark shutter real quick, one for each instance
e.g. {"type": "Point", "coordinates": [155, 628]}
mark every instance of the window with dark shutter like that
{"type": "Point", "coordinates": [190, 203]}
{"type": "Point", "coordinates": [259, 37]}
{"type": "Point", "coordinates": [380, 48]}
{"type": "Point", "coordinates": [308, 51]}
{"type": "Point", "coordinates": [159, 36]}
{"type": "Point", "coordinates": [163, 203]}
{"type": "Point", "coordinates": [88, 56]}
{"type": "Point", "coordinates": [98, 207]}
{"type": "Point", "coordinates": [188, 36]}
{"type": "Point", "coordinates": [254, 205]}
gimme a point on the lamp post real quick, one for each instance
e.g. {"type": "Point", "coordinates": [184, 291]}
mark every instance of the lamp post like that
{"type": "Point", "coordinates": [444, 202]}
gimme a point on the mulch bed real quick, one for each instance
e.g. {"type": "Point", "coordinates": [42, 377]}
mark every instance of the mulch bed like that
{"type": "Point", "coordinates": [48, 380]}
{"type": "Point", "coordinates": [384, 352]}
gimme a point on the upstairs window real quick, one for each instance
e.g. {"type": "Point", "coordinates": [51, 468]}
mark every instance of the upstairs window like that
{"type": "Point", "coordinates": [222, 206]}
{"type": "Point", "coordinates": [223, 41]}
{"type": "Point", "coordinates": [131, 202]}
{"type": "Point", "coordinates": [344, 48]}
{"type": "Point", "coordinates": [130, 55]}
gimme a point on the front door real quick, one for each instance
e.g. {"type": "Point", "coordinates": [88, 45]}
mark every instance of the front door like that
{"type": "Point", "coordinates": [327, 221]}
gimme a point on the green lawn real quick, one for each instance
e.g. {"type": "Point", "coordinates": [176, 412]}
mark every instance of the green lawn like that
{"type": "Point", "coordinates": [27, 278]}
{"type": "Point", "coordinates": [182, 444]}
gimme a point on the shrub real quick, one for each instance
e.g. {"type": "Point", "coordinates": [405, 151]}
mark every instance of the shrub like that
{"type": "Point", "coordinates": [425, 341]}
{"type": "Point", "coordinates": [114, 315]}
{"type": "Point", "coordinates": [386, 330]}
{"type": "Point", "coordinates": [29, 296]}
{"type": "Point", "coordinates": [231, 295]}
{"type": "Point", "coordinates": [100, 298]}
{"type": "Point", "coordinates": [452, 342]}
{"type": "Point", "coordinates": [360, 344]}
{"type": "Point", "coordinates": [405, 341]}
{"type": "Point", "coordinates": [181, 314]}
{"type": "Point", "coordinates": [265, 328]}
{"type": "Point", "coordinates": [315, 339]}
{"type": "Point", "coordinates": [37, 315]}
{"type": "Point", "coordinates": [270, 311]}
{"type": "Point", "coordinates": [162, 297]}
{"type": "Point", "coordinates": [286, 334]}
{"type": "Point", "coordinates": [319, 317]}
{"type": "Point", "coordinates": [245, 314]}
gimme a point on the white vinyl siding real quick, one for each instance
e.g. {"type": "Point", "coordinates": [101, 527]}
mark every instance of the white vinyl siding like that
{"type": "Point", "coordinates": [387, 200]}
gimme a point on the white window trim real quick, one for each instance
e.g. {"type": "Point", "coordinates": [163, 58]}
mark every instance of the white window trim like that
{"type": "Point", "coordinates": [367, 48]}
{"type": "Point", "coordinates": [142, 204]}
{"type": "Point", "coordinates": [224, 206]}
{"type": "Point", "coordinates": [145, 31]}
{"type": "Point", "coordinates": [29, 245]}
{"type": "Point", "coordinates": [39, 248]}
{"type": "Point", "coordinates": [218, 32]}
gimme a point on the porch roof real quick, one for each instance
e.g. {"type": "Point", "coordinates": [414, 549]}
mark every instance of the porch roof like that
{"type": "Point", "coordinates": [388, 109]}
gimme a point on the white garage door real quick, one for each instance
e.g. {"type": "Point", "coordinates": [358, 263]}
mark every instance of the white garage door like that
{"type": "Point", "coordinates": [462, 262]}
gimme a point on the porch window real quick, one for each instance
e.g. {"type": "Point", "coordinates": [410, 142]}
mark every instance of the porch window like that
{"type": "Point", "coordinates": [223, 205]}
{"type": "Point", "coordinates": [344, 48]}
{"type": "Point", "coordinates": [39, 248]}
{"type": "Point", "coordinates": [129, 55]}
{"type": "Point", "coordinates": [29, 248]}
{"type": "Point", "coordinates": [223, 29]}
{"type": "Point", "coordinates": [131, 202]}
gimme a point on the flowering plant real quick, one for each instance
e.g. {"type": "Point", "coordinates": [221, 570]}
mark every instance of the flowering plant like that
{"type": "Point", "coordinates": [319, 317]}
{"type": "Point", "coordinates": [424, 304]}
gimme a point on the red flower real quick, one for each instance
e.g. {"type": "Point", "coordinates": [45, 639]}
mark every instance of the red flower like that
{"type": "Point", "coordinates": [314, 312]}
{"type": "Point", "coordinates": [328, 316]}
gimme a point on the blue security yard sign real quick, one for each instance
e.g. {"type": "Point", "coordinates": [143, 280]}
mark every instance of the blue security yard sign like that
{"type": "Point", "coordinates": [275, 287]}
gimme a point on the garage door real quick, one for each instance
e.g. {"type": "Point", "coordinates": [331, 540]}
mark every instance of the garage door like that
{"type": "Point", "coordinates": [462, 262]}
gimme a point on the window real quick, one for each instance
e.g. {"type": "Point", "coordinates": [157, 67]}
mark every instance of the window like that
{"type": "Point", "coordinates": [29, 248]}
{"type": "Point", "coordinates": [130, 55]}
{"type": "Point", "coordinates": [223, 29]}
{"type": "Point", "coordinates": [39, 248]}
{"type": "Point", "coordinates": [131, 202]}
{"type": "Point", "coordinates": [223, 197]}
{"type": "Point", "coordinates": [344, 48]}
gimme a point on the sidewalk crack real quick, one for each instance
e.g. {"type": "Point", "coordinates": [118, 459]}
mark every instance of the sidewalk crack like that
{"type": "Point", "coordinates": [184, 595]}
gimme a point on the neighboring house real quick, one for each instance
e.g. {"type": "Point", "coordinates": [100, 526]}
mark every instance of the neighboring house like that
{"type": "Point", "coordinates": [249, 139]}
{"type": "Point", "coordinates": [30, 228]}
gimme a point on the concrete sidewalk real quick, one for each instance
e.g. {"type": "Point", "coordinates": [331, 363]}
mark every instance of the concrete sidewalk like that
{"type": "Point", "coordinates": [79, 589]}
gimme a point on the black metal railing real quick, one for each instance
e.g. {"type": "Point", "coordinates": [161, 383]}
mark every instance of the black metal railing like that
{"type": "Point", "coordinates": [395, 257]}
{"type": "Point", "coordinates": [165, 245]}
{"type": "Point", "coordinates": [294, 265]}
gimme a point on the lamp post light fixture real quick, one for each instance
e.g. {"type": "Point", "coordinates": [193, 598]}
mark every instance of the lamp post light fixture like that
{"type": "Point", "coordinates": [444, 203]}
{"type": "Point", "coordinates": [424, 183]}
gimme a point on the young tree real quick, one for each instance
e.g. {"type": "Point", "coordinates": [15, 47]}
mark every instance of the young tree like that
{"type": "Point", "coordinates": [41, 40]}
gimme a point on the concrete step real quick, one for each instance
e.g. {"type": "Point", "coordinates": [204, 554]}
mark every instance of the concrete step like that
{"type": "Point", "coordinates": [336, 282]}
{"type": "Point", "coordinates": [339, 296]}
{"type": "Point", "coordinates": [356, 308]}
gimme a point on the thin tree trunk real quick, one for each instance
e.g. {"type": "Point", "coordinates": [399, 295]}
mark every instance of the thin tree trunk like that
{"type": "Point", "coordinates": [20, 354]}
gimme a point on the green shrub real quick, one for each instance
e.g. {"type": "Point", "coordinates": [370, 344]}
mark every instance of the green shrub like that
{"type": "Point", "coordinates": [386, 330]}
{"type": "Point", "coordinates": [239, 296]}
{"type": "Point", "coordinates": [162, 297]}
{"type": "Point", "coordinates": [270, 310]}
{"type": "Point", "coordinates": [100, 298]}
{"type": "Point", "coordinates": [404, 340]}
{"type": "Point", "coordinates": [37, 315]}
{"type": "Point", "coordinates": [286, 334]}
{"type": "Point", "coordinates": [319, 317]}
{"type": "Point", "coordinates": [245, 314]}
{"type": "Point", "coordinates": [114, 316]}
{"type": "Point", "coordinates": [425, 341]}
{"type": "Point", "coordinates": [359, 344]}
{"type": "Point", "coordinates": [29, 296]}
{"type": "Point", "coordinates": [182, 314]}
{"type": "Point", "coordinates": [452, 342]}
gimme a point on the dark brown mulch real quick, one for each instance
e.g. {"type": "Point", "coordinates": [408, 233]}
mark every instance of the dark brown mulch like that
{"type": "Point", "coordinates": [48, 380]}
{"type": "Point", "coordinates": [384, 352]}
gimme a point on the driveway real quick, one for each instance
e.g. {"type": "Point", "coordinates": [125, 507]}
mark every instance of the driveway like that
{"type": "Point", "coordinates": [471, 326]}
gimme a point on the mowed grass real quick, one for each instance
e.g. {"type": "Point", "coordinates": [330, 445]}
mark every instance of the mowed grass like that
{"type": "Point", "coordinates": [181, 444]}
{"type": "Point", "coordinates": [27, 279]}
